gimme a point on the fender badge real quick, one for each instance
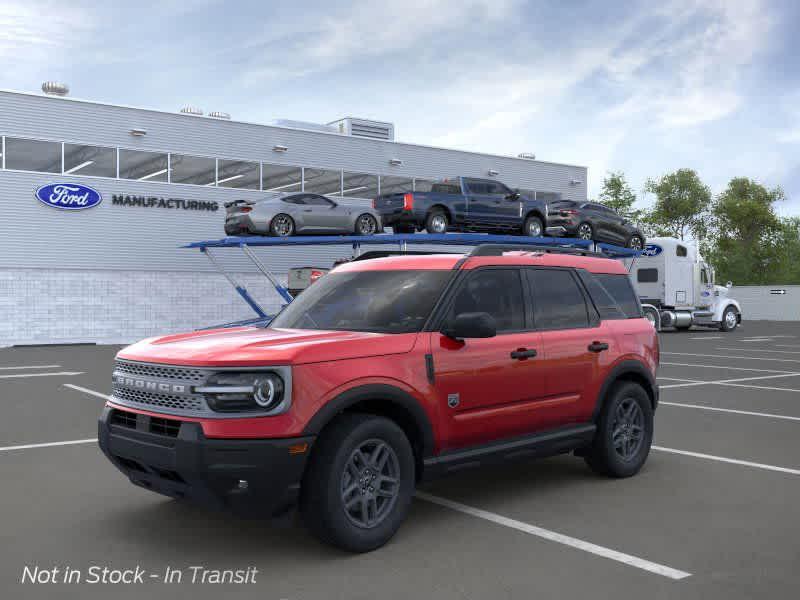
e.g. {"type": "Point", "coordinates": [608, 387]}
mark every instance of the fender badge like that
{"type": "Point", "coordinates": [452, 400]}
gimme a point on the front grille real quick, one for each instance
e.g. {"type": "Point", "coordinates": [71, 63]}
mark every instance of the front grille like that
{"type": "Point", "coordinates": [168, 427]}
{"type": "Point", "coordinates": [123, 419]}
{"type": "Point", "coordinates": [160, 371]}
{"type": "Point", "coordinates": [150, 399]}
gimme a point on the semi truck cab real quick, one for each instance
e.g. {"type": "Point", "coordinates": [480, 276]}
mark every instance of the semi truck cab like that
{"type": "Point", "coordinates": [677, 288]}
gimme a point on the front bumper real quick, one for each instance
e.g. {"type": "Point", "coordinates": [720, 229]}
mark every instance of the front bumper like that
{"type": "Point", "coordinates": [174, 458]}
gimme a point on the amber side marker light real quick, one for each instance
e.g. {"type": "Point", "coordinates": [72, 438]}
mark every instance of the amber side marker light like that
{"type": "Point", "coordinates": [298, 448]}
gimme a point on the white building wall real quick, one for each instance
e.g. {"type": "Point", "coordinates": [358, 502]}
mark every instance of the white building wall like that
{"type": "Point", "coordinates": [759, 303]}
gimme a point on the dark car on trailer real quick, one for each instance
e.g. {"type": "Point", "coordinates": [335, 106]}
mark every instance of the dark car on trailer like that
{"type": "Point", "coordinates": [463, 204]}
{"type": "Point", "coordinates": [592, 221]}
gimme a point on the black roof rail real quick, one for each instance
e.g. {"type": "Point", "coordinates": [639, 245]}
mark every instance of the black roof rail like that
{"type": "Point", "coordinates": [499, 249]}
{"type": "Point", "coordinates": [385, 253]}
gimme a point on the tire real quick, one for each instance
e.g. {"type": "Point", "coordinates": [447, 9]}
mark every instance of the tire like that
{"type": "Point", "coordinates": [335, 461]}
{"type": "Point", "coordinates": [281, 225]}
{"type": "Point", "coordinates": [584, 231]}
{"type": "Point", "coordinates": [603, 456]}
{"type": "Point", "coordinates": [653, 316]}
{"type": "Point", "coordinates": [533, 227]}
{"type": "Point", "coordinates": [635, 242]}
{"type": "Point", "coordinates": [403, 228]}
{"type": "Point", "coordinates": [436, 221]}
{"type": "Point", "coordinates": [729, 323]}
{"type": "Point", "coordinates": [366, 224]}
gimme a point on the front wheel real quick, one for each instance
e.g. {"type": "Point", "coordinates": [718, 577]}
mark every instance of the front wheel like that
{"type": "Point", "coordinates": [635, 242]}
{"type": "Point", "coordinates": [533, 227]}
{"type": "Point", "coordinates": [359, 485]}
{"type": "Point", "coordinates": [624, 432]}
{"type": "Point", "coordinates": [366, 224]}
{"type": "Point", "coordinates": [729, 319]}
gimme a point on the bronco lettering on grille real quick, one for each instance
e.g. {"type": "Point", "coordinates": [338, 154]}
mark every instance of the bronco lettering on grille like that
{"type": "Point", "coordinates": [143, 384]}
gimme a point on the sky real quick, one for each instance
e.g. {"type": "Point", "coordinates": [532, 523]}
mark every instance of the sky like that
{"type": "Point", "coordinates": [640, 87]}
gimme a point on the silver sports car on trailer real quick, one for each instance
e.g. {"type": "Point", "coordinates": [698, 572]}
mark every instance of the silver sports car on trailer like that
{"type": "Point", "coordinates": [287, 214]}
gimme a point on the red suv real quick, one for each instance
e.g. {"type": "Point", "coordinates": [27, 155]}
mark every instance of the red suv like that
{"type": "Point", "coordinates": [385, 373]}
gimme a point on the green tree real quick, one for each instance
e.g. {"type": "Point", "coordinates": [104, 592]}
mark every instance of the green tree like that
{"type": "Point", "coordinates": [618, 195]}
{"type": "Point", "coordinates": [749, 242]}
{"type": "Point", "coordinates": [681, 207]}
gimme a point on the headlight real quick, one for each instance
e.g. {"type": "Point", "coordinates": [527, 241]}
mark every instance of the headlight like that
{"type": "Point", "coordinates": [245, 392]}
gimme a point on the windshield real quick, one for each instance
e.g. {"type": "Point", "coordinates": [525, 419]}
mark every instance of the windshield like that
{"type": "Point", "coordinates": [376, 301]}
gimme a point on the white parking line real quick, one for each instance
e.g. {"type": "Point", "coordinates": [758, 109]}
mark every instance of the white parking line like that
{"type": "Point", "coordinates": [674, 364]}
{"type": "Point", "coordinates": [706, 337]}
{"type": "Point", "coordinates": [786, 345]}
{"type": "Point", "coordinates": [47, 445]}
{"type": "Point", "coordinates": [761, 350]}
{"type": "Point", "coordinates": [727, 381]}
{"type": "Point", "coordinates": [553, 536]}
{"type": "Point", "coordinates": [30, 367]}
{"type": "Point", "coordinates": [730, 410]}
{"type": "Point", "coordinates": [87, 391]}
{"type": "Point", "coordinates": [660, 378]}
{"type": "Point", "coordinates": [733, 461]}
{"type": "Point", "coordinates": [19, 375]}
{"type": "Point", "coordinates": [792, 360]}
{"type": "Point", "coordinates": [761, 387]}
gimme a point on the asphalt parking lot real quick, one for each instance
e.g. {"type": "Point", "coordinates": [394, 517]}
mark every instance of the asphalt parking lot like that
{"type": "Point", "coordinates": [714, 513]}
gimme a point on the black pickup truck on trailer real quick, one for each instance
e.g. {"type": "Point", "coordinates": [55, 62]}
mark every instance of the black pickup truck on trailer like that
{"type": "Point", "coordinates": [464, 204]}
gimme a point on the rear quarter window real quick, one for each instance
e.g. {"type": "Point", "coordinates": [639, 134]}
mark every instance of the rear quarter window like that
{"type": "Point", "coordinates": [620, 290]}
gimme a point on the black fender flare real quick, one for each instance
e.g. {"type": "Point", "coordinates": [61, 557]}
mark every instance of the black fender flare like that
{"type": "Point", "coordinates": [376, 391]}
{"type": "Point", "coordinates": [619, 371]}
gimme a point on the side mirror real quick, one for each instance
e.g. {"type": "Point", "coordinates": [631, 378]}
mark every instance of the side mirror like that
{"type": "Point", "coordinates": [471, 325]}
{"type": "Point", "coordinates": [729, 285]}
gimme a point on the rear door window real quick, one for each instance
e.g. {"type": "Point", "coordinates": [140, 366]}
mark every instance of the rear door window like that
{"type": "Point", "coordinates": [497, 292]}
{"type": "Point", "coordinates": [558, 302]}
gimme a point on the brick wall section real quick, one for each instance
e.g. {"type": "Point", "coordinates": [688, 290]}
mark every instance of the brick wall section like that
{"type": "Point", "coordinates": [44, 306]}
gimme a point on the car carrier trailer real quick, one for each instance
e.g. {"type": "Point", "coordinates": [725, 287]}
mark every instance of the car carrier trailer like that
{"type": "Point", "coordinates": [400, 241]}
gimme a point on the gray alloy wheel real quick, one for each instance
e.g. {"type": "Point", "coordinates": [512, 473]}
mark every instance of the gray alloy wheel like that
{"type": "Point", "coordinates": [585, 231]}
{"type": "Point", "coordinates": [281, 225]}
{"type": "Point", "coordinates": [370, 483]}
{"type": "Point", "coordinates": [729, 319]}
{"type": "Point", "coordinates": [366, 225]}
{"type": "Point", "coordinates": [534, 227]}
{"type": "Point", "coordinates": [436, 222]}
{"type": "Point", "coordinates": [628, 429]}
{"type": "Point", "coordinates": [635, 243]}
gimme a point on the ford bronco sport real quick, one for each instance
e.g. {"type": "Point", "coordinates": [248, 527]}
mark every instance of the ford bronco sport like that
{"type": "Point", "coordinates": [386, 373]}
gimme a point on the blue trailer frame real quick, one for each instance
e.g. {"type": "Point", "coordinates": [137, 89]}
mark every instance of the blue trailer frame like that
{"type": "Point", "coordinates": [246, 243]}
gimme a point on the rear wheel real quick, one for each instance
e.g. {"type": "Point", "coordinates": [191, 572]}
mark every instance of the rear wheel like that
{"type": "Point", "coordinates": [281, 225]}
{"type": "Point", "coordinates": [436, 221]}
{"type": "Point", "coordinates": [730, 319]}
{"type": "Point", "coordinates": [366, 224]}
{"type": "Point", "coordinates": [624, 432]}
{"type": "Point", "coordinates": [585, 231]}
{"type": "Point", "coordinates": [360, 483]}
{"type": "Point", "coordinates": [533, 227]}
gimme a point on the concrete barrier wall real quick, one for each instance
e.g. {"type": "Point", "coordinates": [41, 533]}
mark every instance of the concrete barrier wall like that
{"type": "Point", "coordinates": [766, 302]}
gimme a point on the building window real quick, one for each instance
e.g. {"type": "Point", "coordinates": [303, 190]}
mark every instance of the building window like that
{"type": "Point", "coordinates": [360, 185]}
{"type": "Point", "coordinates": [323, 181]}
{"type": "Point", "coordinates": [396, 185]}
{"type": "Point", "coordinates": [90, 160]}
{"type": "Point", "coordinates": [144, 166]}
{"type": "Point", "coordinates": [238, 174]}
{"type": "Point", "coordinates": [280, 178]}
{"type": "Point", "coordinates": [33, 155]}
{"type": "Point", "coordinates": [195, 170]}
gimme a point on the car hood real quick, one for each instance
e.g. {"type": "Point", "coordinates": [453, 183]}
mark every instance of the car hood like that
{"type": "Point", "coordinates": [255, 346]}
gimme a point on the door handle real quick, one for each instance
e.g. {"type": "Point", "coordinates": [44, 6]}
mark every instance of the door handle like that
{"type": "Point", "coordinates": [308, 210]}
{"type": "Point", "coordinates": [523, 353]}
{"type": "Point", "coordinates": [597, 347]}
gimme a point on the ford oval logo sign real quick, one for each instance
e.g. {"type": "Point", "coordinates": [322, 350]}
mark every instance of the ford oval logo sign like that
{"type": "Point", "coordinates": [68, 196]}
{"type": "Point", "coordinates": [652, 250]}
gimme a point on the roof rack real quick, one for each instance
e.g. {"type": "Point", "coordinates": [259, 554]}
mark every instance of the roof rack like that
{"type": "Point", "coordinates": [500, 249]}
